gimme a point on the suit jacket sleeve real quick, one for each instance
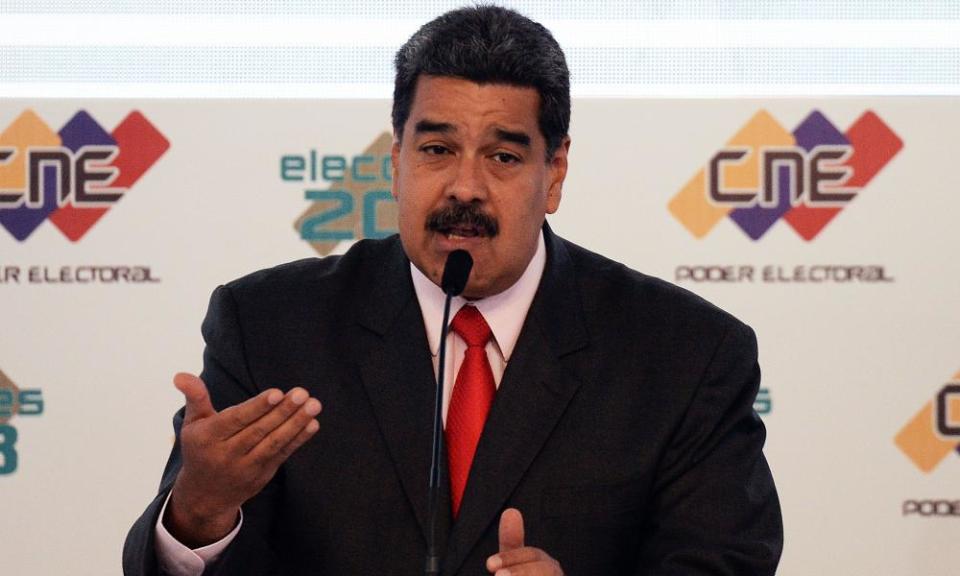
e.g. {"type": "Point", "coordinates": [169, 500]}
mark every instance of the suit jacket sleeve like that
{"type": "Point", "coordinates": [715, 509]}
{"type": "Point", "coordinates": [228, 381]}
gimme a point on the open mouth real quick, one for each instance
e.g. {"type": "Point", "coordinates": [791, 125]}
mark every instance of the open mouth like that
{"type": "Point", "coordinates": [455, 232]}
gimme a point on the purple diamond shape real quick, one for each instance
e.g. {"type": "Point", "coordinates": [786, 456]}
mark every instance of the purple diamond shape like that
{"type": "Point", "coordinates": [83, 130]}
{"type": "Point", "coordinates": [756, 220]}
{"type": "Point", "coordinates": [817, 130]}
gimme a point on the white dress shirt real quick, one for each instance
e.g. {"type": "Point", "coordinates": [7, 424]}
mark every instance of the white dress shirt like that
{"type": "Point", "coordinates": [505, 314]}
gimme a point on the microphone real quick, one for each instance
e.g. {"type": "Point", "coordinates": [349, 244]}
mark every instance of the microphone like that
{"type": "Point", "coordinates": [456, 271]}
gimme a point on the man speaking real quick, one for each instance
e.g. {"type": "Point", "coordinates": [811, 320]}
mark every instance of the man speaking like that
{"type": "Point", "coordinates": [600, 421]}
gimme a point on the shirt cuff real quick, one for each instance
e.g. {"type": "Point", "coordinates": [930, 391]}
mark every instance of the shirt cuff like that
{"type": "Point", "coordinates": [175, 559]}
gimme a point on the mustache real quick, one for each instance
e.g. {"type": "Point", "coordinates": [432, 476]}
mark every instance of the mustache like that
{"type": "Point", "coordinates": [462, 215]}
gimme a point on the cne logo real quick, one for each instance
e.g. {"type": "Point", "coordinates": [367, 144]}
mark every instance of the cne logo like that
{"type": "Point", "coordinates": [934, 431]}
{"type": "Point", "coordinates": [765, 173]}
{"type": "Point", "coordinates": [73, 176]}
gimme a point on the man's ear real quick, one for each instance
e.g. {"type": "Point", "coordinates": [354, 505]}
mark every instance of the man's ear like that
{"type": "Point", "coordinates": [558, 172]}
{"type": "Point", "coordinates": [394, 164]}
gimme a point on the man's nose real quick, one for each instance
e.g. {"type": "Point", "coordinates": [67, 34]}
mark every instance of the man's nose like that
{"type": "Point", "coordinates": [468, 183]}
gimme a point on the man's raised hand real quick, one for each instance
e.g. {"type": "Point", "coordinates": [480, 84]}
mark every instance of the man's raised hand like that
{"type": "Point", "coordinates": [516, 559]}
{"type": "Point", "coordinates": [229, 456]}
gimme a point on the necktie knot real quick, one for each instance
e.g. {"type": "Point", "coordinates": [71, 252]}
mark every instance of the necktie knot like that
{"type": "Point", "coordinates": [470, 325]}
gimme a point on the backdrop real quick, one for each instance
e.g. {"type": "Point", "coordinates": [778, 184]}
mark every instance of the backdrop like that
{"type": "Point", "coordinates": [823, 223]}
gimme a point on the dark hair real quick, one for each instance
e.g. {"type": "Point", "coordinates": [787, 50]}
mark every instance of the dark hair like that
{"type": "Point", "coordinates": [488, 44]}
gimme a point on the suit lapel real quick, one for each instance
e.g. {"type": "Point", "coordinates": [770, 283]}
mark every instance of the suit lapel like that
{"type": "Point", "coordinates": [398, 377]}
{"type": "Point", "coordinates": [533, 394]}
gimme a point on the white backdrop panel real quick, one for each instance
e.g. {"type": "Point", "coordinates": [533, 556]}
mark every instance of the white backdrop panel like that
{"type": "Point", "coordinates": [846, 364]}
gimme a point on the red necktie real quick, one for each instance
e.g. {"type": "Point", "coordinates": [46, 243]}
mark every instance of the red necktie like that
{"type": "Point", "coordinates": [472, 397]}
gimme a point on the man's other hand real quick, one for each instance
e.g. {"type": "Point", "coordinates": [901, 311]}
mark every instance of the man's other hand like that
{"type": "Point", "coordinates": [515, 559]}
{"type": "Point", "coordinates": [228, 457]}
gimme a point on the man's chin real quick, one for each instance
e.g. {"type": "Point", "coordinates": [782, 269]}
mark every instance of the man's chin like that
{"type": "Point", "coordinates": [472, 295]}
{"type": "Point", "coordinates": [481, 287]}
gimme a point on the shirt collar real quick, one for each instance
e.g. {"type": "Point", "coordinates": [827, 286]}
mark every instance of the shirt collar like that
{"type": "Point", "coordinates": [504, 312]}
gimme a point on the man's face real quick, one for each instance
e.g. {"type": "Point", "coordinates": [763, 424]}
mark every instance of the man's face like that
{"type": "Point", "coordinates": [470, 173]}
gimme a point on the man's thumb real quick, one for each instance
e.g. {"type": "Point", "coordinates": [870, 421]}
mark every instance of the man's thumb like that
{"type": "Point", "coordinates": [195, 393]}
{"type": "Point", "coordinates": [511, 530]}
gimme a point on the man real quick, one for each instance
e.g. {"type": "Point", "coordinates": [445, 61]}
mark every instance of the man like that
{"type": "Point", "coordinates": [601, 421]}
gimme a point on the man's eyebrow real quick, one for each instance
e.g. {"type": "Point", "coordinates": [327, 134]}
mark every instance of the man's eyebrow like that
{"type": "Point", "coordinates": [426, 126]}
{"type": "Point", "coordinates": [430, 126]}
{"type": "Point", "coordinates": [521, 138]}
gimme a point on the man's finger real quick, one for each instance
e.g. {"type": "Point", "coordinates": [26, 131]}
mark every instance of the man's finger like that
{"type": "Point", "coordinates": [511, 530]}
{"type": "Point", "coordinates": [526, 560]}
{"type": "Point", "coordinates": [238, 418]}
{"type": "Point", "coordinates": [305, 434]}
{"type": "Point", "coordinates": [197, 400]}
{"type": "Point", "coordinates": [518, 556]}
{"type": "Point", "coordinates": [254, 432]}
{"type": "Point", "coordinates": [271, 450]}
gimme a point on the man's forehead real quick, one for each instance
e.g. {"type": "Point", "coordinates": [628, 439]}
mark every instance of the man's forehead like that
{"type": "Point", "coordinates": [449, 105]}
{"type": "Point", "coordinates": [434, 90]}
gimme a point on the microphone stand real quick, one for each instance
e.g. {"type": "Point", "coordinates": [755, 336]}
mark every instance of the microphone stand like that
{"type": "Point", "coordinates": [433, 501]}
{"type": "Point", "coordinates": [456, 271]}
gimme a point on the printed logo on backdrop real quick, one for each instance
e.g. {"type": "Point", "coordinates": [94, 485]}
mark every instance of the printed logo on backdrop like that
{"type": "Point", "coordinates": [767, 174]}
{"type": "Point", "coordinates": [928, 439]}
{"type": "Point", "coordinates": [934, 431]}
{"type": "Point", "coordinates": [354, 202]}
{"type": "Point", "coordinates": [71, 178]}
{"type": "Point", "coordinates": [763, 403]}
{"type": "Point", "coordinates": [14, 402]}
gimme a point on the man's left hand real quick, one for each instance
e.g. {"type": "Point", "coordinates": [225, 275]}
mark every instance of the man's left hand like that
{"type": "Point", "coordinates": [515, 559]}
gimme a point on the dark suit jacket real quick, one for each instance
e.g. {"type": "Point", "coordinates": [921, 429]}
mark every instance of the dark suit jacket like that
{"type": "Point", "coordinates": [623, 427]}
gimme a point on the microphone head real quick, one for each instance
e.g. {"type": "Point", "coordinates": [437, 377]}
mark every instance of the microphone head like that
{"type": "Point", "coordinates": [456, 271]}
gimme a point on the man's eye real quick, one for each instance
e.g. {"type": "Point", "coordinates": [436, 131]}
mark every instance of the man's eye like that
{"type": "Point", "coordinates": [506, 158]}
{"type": "Point", "coordinates": [435, 149]}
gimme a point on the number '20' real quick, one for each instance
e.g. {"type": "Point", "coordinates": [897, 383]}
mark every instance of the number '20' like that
{"type": "Point", "coordinates": [315, 227]}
